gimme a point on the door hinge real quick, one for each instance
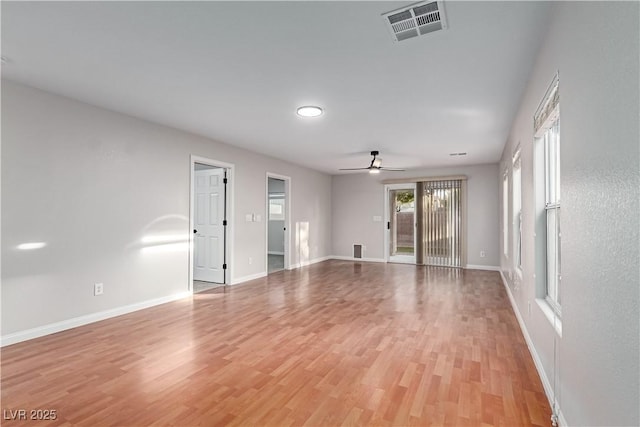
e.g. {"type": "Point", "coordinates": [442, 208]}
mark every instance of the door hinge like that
{"type": "Point", "coordinates": [224, 266]}
{"type": "Point", "coordinates": [224, 222]}
{"type": "Point", "coordinates": [224, 181]}
{"type": "Point", "coordinates": [388, 225]}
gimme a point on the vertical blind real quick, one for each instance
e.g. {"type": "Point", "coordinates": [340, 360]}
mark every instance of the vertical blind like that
{"type": "Point", "coordinates": [440, 223]}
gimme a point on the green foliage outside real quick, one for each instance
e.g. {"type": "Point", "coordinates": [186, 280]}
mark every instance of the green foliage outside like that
{"type": "Point", "coordinates": [404, 197]}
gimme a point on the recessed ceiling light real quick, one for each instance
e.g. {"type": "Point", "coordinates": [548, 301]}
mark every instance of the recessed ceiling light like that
{"type": "Point", "coordinates": [309, 111]}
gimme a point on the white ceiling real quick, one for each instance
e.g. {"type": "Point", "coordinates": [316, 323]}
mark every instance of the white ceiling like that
{"type": "Point", "coordinates": [236, 71]}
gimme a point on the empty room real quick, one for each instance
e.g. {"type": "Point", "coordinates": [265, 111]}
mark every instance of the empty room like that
{"type": "Point", "coordinates": [320, 213]}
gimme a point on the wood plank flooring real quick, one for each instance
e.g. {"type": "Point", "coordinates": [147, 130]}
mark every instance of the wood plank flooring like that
{"type": "Point", "coordinates": [333, 344]}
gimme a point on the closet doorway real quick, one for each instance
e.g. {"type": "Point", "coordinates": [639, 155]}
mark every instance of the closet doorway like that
{"type": "Point", "coordinates": [277, 224]}
{"type": "Point", "coordinates": [209, 226]}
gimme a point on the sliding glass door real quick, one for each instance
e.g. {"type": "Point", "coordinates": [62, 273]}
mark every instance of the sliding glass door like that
{"type": "Point", "coordinates": [440, 222]}
{"type": "Point", "coordinates": [442, 237]}
{"type": "Point", "coordinates": [425, 222]}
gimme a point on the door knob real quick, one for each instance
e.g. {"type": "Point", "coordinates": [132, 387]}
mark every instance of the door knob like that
{"type": "Point", "coordinates": [195, 231]}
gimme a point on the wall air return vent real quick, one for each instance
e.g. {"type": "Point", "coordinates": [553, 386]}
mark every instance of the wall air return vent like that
{"type": "Point", "coordinates": [415, 20]}
{"type": "Point", "coordinates": [357, 251]}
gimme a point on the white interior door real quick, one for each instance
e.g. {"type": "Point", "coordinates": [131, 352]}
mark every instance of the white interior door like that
{"type": "Point", "coordinates": [208, 241]}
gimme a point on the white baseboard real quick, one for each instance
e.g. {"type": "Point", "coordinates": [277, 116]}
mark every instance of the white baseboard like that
{"type": "Point", "coordinates": [249, 277]}
{"type": "Point", "coordinates": [350, 258]}
{"type": "Point", "coordinates": [482, 267]}
{"type": "Point", "coordinates": [309, 262]}
{"type": "Point", "coordinates": [275, 253]}
{"type": "Point", "coordinates": [546, 384]}
{"type": "Point", "coordinates": [52, 328]}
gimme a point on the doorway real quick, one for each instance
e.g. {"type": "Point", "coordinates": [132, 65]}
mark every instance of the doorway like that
{"type": "Point", "coordinates": [401, 223]}
{"type": "Point", "coordinates": [277, 258]}
{"type": "Point", "coordinates": [209, 248]}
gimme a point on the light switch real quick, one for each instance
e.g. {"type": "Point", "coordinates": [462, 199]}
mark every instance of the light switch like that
{"type": "Point", "coordinates": [248, 217]}
{"type": "Point", "coordinates": [258, 217]}
{"type": "Point", "coordinates": [377, 218]}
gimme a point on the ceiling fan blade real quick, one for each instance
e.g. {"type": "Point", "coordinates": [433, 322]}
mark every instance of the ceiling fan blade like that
{"type": "Point", "coordinates": [354, 169]}
{"type": "Point", "coordinates": [392, 169]}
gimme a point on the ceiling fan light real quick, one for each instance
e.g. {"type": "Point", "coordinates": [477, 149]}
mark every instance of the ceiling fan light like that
{"type": "Point", "coordinates": [376, 163]}
{"type": "Point", "coordinates": [309, 111]}
{"type": "Point", "coordinates": [374, 170]}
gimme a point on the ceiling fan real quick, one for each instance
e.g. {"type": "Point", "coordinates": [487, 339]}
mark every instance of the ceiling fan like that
{"type": "Point", "coordinates": [375, 166]}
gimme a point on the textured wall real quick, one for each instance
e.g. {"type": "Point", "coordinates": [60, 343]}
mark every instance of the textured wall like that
{"type": "Point", "coordinates": [595, 48]}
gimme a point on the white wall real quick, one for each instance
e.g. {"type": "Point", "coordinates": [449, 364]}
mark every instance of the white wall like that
{"type": "Point", "coordinates": [359, 197]}
{"type": "Point", "coordinates": [91, 183]}
{"type": "Point", "coordinates": [595, 48]}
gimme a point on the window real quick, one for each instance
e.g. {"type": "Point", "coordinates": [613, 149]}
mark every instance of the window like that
{"type": "Point", "coordinates": [547, 169]}
{"type": "Point", "coordinates": [505, 213]}
{"type": "Point", "coordinates": [517, 213]}
{"type": "Point", "coordinates": [552, 208]}
{"type": "Point", "coordinates": [276, 206]}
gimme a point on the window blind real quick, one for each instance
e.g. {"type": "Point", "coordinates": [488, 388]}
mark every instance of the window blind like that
{"type": "Point", "coordinates": [440, 223]}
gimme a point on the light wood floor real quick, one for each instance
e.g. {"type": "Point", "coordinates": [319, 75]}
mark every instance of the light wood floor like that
{"type": "Point", "coordinates": [336, 343]}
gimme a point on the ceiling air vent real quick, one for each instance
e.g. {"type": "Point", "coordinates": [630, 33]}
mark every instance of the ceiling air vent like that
{"type": "Point", "coordinates": [415, 20]}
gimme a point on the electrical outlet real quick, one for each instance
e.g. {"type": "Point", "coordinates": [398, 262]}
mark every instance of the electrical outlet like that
{"type": "Point", "coordinates": [250, 260]}
{"type": "Point", "coordinates": [483, 254]}
{"type": "Point", "coordinates": [98, 289]}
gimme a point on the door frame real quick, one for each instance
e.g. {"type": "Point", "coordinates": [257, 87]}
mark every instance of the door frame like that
{"type": "Point", "coordinates": [287, 220]}
{"type": "Point", "coordinates": [229, 202]}
{"type": "Point", "coordinates": [387, 219]}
